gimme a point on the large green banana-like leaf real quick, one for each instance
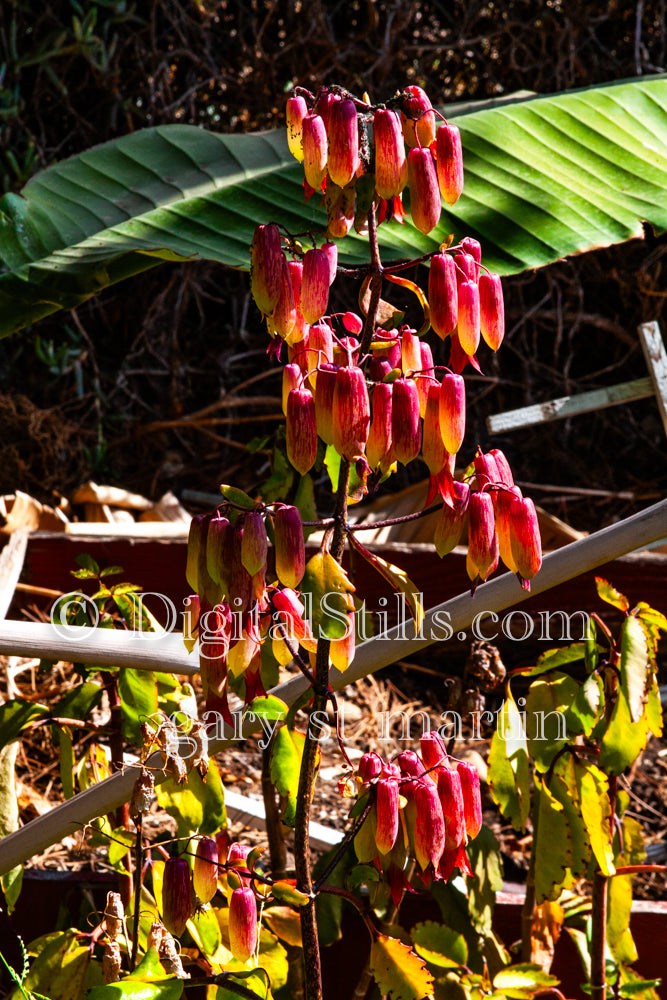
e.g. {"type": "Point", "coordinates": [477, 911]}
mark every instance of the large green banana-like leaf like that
{"type": "Point", "coordinates": [545, 177]}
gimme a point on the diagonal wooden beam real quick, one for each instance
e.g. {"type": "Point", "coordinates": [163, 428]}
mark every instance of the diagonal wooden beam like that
{"type": "Point", "coordinates": [495, 596]}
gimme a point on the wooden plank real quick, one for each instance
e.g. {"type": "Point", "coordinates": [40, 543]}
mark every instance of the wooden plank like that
{"type": "Point", "coordinates": [105, 647]}
{"type": "Point", "coordinates": [570, 406]}
{"type": "Point", "coordinates": [656, 361]}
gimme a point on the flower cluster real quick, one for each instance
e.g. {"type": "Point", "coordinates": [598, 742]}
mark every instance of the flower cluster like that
{"type": "Point", "coordinates": [357, 387]}
{"type": "Point", "coordinates": [423, 808]}
{"type": "Point", "coordinates": [233, 610]}
{"type": "Point", "coordinates": [354, 152]}
{"type": "Point", "coordinates": [217, 863]}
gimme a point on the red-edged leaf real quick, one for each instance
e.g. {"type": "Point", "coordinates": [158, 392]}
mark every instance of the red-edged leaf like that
{"type": "Point", "coordinates": [608, 593]}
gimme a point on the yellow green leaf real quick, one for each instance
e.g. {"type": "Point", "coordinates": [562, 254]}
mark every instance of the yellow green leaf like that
{"type": "Point", "coordinates": [607, 592]}
{"type": "Point", "coordinates": [634, 665]}
{"type": "Point", "coordinates": [596, 812]}
{"type": "Point", "coordinates": [286, 755]}
{"type": "Point", "coordinates": [553, 845]}
{"type": "Point", "coordinates": [329, 589]}
{"type": "Point", "coordinates": [509, 771]}
{"type": "Point", "coordinates": [286, 890]}
{"type": "Point", "coordinates": [439, 945]}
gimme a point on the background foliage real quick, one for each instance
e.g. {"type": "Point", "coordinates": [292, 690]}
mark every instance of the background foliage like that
{"type": "Point", "coordinates": [168, 343]}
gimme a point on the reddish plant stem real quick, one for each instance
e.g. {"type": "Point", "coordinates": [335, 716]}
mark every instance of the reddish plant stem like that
{"type": "Point", "coordinates": [311, 947]}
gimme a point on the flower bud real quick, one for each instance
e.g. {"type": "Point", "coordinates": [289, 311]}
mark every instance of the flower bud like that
{"type": "Point", "coordinates": [449, 528]}
{"type": "Point", "coordinates": [242, 924]}
{"type": "Point", "coordinates": [411, 765]}
{"type": "Point", "coordinates": [315, 285]}
{"type": "Point", "coordinates": [290, 549]}
{"type": "Point", "coordinates": [291, 380]}
{"type": "Point", "coordinates": [443, 294]}
{"type": "Point", "coordinates": [266, 267]}
{"type": "Point", "coordinates": [387, 814]}
{"type": "Point", "coordinates": [295, 112]}
{"type": "Point", "coordinates": [486, 472]}
{"type": "Point", "coordinates": [472, 797]}
{"type": "Point", "coordinates": [343, 135]}
{"type": "Point", "coordinates": [466, 267]}
{"type": "Point", "coordinates": [176, 895]}
{"type": "Point", "coordinates": [379, 448]}
{"type": "Point", "coordinates": [427, 378]}
{"type": "Point", "coordinates": [254, 543]}
{"type": "Point", "coordinates": [216, 551]}
{"type": "Point", "coordinates": [283, 317]}
{"type": "Point", "coordinates": [326, 384]}
{"type": "Point", "coordinates": [314, 150]}
{"type": "Point", "coordinates": [503, 508]}
{"type": "Point", "coordinates": [300, 326]}
{"type": "Point", "coordinates": [429, 832]}
{"type": "Point", "coordinates": [351, 413]}
{"type": "Point", "coordinates": [331, 250]}
{"type": "Point", "coordinates": [323, 105]}
{"type": "Point", "coordinates": [389, 153]}
{"type": "Point", "coordinates": [425, 203]}
{"type": "Point", "coordinates": [234, 577]}
{"type": "Point", "coordinates": [370, 766]}
{"type": "Point", "coordinates": [205, 870]}
{"type": "Point", "coordinates": [237, 856]}
{"type": "Point", "coordinates": [339, 206]}
{"type": "Point", "coordinates": [503, 466]}
{"type": "Point", "coordinates": [449, 160]}
{"type": "Point", "coordinates": [320, 349]}
{"type": "Point", "coordinates": [491, 310]}
{"type": "Point", "coordinates": [452, 412]}
{"type": "Point", "coordinates": [469, 317]}
{"type": "Point", "coordinates": [410, 351]}
{"type": "Point", "coordinates": [453, 807]}
{"type": "Point", "coordinates": [406, 433]}
{"type": "Point", "coordinates": [525, 540]}
{"type": "Point", "coordinates": [417, 118]}
{"type": "Point", "coordinates": [434, 452]}
{"type": "Point", "coordinates": [473, 247]}
{"type": "Point", "coordinates": [433, 751]}
{"type": "Point", "coordinates": [482, 541]}
{"type": "Point", "coordinates": [301, 430]}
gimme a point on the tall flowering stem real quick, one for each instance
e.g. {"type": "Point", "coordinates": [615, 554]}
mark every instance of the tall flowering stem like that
{"type": "Point", "coordinates": [369, 390]}
{"type": "Point", "coordinates": [311, 946]}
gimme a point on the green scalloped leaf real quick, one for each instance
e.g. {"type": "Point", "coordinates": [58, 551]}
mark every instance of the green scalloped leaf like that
{"type": "Point", "coordinates": [439, 945]}
{"type": "Point", "coordinates": [553, 845]}
{"type": "Point", "coordinates": [596, 813]}
{"type": "Point", "coordinates": [545, 177]}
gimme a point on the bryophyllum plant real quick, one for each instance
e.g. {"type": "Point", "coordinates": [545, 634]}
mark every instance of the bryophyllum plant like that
{"type": "Point", "coordinates": [362, 393]}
